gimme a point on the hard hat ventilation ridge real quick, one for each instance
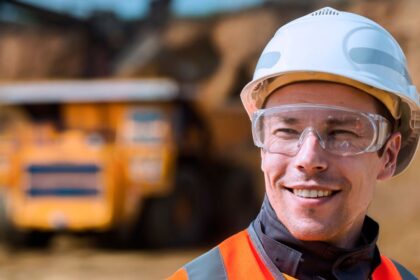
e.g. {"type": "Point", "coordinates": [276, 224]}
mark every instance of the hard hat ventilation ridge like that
{"type": "Point", "coordinates": [326, 12]}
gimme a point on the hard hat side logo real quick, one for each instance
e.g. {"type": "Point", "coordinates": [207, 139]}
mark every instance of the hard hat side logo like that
{"type": "Point", "coordinates": [362, 55]}
{"type": "Point", "coordinates": [268, 60]}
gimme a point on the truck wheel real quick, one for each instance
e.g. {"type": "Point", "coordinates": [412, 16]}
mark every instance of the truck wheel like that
{"type": "Point", "coordinates": [238, 201]}
{"type": "Point", "coordinates": [9, 236]}
{"type": "Point", "coordinates": [37, 239]}
{"type": "Point", "coordinates": [4, 220]}
{"type": "Point", "coordinates": [179, 219]}
{"type": "Point", "coordinates": [13, 238]}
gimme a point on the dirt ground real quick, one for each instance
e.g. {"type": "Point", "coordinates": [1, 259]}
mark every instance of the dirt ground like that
{"type": "Point", "coordinates": [71, 258]}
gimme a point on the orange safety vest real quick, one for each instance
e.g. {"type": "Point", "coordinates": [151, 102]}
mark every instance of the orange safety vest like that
{"type": "Point", "coordinates": [239, 258]}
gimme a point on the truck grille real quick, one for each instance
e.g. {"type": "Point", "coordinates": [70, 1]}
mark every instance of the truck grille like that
{"type": "Point", "coordinates": [63, 180]}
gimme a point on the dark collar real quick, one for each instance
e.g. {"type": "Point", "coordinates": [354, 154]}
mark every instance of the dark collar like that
{"type": "Point", "coordinates": [316, 260]}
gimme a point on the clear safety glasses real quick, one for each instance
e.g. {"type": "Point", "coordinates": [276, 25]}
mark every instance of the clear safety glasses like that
{"type": "Point", "coordinates": [340, 131]}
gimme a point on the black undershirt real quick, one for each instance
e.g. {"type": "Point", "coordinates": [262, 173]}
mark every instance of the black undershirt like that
{"type": "Point", "coordinates": [316, 260]}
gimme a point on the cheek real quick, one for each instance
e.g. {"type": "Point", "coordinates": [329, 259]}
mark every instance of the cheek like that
{"type": "Point", "coordinates": [366, 169]}
{"type": "Point", "coordinates": [362, 174]}
{"type": "Point", "coordinates": [273, 165]}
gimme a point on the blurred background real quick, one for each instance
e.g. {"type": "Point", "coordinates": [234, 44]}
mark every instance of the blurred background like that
{"type": "Point", "coordinates": [124, 148]}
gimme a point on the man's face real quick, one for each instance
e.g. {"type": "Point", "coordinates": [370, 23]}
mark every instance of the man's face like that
{"type": "Point", "coordinates": [338, 218]}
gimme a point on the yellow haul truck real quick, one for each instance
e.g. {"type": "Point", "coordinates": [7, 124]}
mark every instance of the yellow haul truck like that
{"type": "Point", "coordinates": [82, 156]}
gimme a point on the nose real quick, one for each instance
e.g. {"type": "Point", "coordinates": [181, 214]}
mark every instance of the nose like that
{"type": "Point", "coordinates": [311, 156]}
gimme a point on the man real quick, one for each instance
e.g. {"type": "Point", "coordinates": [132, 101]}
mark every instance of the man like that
{"type": "Point", "coordinates": [333, 110]}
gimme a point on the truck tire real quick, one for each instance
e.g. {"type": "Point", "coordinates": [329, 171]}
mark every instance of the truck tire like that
{"type": "Point", "coordinates": [13, 238]}
{"type": "Point", "coordinates": [9, 236]}
{"type": "Point", "coordinates": [180, 219]}
{"type": "Point", "coordinates": [4, 220]}
{"type": "Point", "coordinates": [237, 201]}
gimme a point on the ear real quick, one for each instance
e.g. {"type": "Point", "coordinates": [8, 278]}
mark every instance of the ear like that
{"type": "Point", "coordinates": [389, 156]}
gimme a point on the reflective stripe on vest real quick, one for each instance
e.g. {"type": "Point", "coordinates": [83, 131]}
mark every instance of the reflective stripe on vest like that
{"type": "Point", "coordinates": [237, 258]}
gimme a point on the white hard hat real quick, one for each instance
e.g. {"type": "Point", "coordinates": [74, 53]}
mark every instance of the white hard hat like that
{"type": "Point", "coordinates": [330, 45]}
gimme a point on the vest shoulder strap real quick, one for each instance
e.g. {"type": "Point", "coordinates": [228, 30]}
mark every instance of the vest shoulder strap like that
{"type": "Point", "coordinates": [207, 267]}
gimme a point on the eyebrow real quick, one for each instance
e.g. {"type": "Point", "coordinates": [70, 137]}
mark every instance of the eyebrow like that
{"type": "Point", "coordinates": [330, 121]}
{"type": "Point", "coordinates": [289, 120]}
{"type": "Point", "coordinates": [335, 121]}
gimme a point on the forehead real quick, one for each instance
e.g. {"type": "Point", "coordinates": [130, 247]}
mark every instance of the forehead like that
{"type": "Point", "coordinates": [323, 93]}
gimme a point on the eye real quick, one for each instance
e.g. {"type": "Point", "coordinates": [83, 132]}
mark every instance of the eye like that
{"type": "Point", "coordinates": [343, 133]}
{"type": "Point", "coordinates": [286, 132]}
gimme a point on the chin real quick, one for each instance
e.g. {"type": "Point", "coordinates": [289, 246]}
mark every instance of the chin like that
{"type": "Point", "coordinates": [312, 232]}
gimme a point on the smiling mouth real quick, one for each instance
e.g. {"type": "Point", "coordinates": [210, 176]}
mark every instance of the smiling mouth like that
{"type": "Point", "coordinates": [306, 193]}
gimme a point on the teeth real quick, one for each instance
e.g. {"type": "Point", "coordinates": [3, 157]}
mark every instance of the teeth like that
{"type": "Point", "coordinates": [311, 193]}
